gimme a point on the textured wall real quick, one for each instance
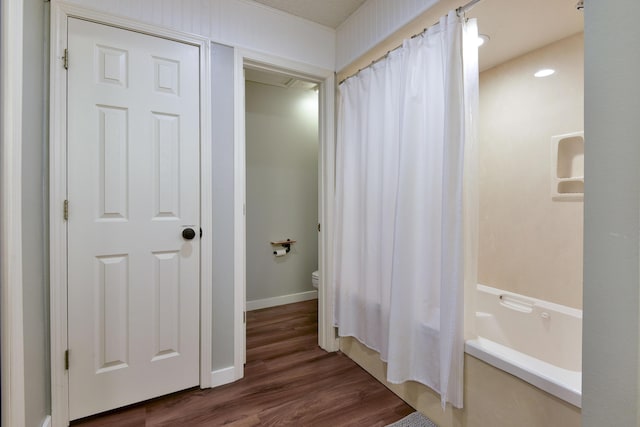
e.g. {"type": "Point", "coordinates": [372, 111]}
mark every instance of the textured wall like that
{"type": "Point", "coordinates": [237, 23]}
{"type": "Point", "coordinates": [372, 23]}
{"type": "Point", "coordinates": [529, 243]}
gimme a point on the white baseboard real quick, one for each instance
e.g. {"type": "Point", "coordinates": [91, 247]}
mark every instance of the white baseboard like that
{"type": "Point", "coordinates": [47, 421]}
{"type": "Point", "coordinates": [281, 300]}
{"type": "Point", "coordinates": [223, 376]}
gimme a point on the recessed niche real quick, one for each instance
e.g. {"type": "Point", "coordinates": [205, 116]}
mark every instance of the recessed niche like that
{"type": "Point", "coordinates": [571, 187]}
{"type": "Point", "coordinates": [570, 157]}
{"type": "Point", "coordinates": [567, 166]}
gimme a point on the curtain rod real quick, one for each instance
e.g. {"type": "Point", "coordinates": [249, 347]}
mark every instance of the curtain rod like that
{"type": "Point", "coordinates": [462, 9]}
{"type": "Point", "coordinates": [459, 11]}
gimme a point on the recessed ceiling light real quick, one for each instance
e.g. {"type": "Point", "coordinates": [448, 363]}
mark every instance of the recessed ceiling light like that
{"type": "Point", "coordinates": [544, 72]}
{"type": "Point", "coordinates": [482, 39]}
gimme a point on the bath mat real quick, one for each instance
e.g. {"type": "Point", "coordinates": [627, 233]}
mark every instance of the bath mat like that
{"type": "Point", "coordinates": [414, 420]}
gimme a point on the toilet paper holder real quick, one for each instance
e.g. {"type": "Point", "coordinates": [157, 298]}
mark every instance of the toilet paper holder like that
{"type": "Point", "coordinates": [286, 244]}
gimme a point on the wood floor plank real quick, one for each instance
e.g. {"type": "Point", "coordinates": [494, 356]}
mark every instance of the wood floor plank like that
{"type": "Point", "coordinates": [289, 381]}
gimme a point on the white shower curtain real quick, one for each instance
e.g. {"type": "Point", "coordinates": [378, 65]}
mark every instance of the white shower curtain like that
{"type": "Point", "coordinates": [399, 245]}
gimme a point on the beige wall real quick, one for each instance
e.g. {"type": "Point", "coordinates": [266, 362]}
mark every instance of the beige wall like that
{"type": "Point", "coordinates": [491, 396]}
{"type": "Point", "coordinates": [528, 243]}
{"type": "Point", "coordinates": [282, 188]}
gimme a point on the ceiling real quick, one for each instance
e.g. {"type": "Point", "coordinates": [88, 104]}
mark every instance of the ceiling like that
{"type": "Point", "coordinates": [326, 12]}
{"type": "Point", "coordinates": [514, 26]}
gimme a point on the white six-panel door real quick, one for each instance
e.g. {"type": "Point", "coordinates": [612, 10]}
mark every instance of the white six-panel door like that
{"type": "Point", "coordinates": [133, 187]}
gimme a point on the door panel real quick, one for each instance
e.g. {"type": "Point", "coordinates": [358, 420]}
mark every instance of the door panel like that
{"type": "Point", "coordinates": [133, 186]}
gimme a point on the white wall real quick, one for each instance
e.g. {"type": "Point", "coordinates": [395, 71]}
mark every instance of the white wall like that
{"type": "Point", "coordinates": [282, 189]}
{"type": "Point", "coordinates": [222, 149]}
{"type": "Point", "coordinates": [24, 141]}
{"type": "Point", "coordinates": [11, 290]}
{"type": "Point", "coordinates": [237, 23]}
{"type": "Point", "coordinates": [529, 243]}
{"type": "Point", "coordinates": [611, 330]}
{"type": "Point", "coordinates": [372, 23]}
{"type": "Point", "coordinates": [35, 251]}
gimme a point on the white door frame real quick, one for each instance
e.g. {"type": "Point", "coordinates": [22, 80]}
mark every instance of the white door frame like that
{"type": "Point", "coordinates": [60, 12]}
{"type": "Point", "coordinates": [326, 80]}
{"type": "Point", "coordinates": [13, 387]}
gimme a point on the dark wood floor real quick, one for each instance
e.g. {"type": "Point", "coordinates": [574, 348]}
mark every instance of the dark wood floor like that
{"type": "Point", "coordinates": [289, 381]}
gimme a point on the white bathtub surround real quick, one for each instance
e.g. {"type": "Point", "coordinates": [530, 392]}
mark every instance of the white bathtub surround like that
{"type": "Point", "coordinates": [537, 341]}
{"type": "Point", "coordinates": [562, 383]}
{"type": "Point", "coordinates": [400, 240]}
{"type": "Point", "coordinates": [531, 244]}
{"type": "Point", "coordinates": [492, 396]}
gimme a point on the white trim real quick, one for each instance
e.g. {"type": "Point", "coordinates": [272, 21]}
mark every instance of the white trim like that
{"type": "Point", "coordinates": [326, 80]}
{"type": "Point", "coordinates": [206, 214]}
{"type": "Point", "coordinates": [281, 300]}
{"type": "Point", "coordinates": [57, 226]}
{"type": "Point", "coordinates": [60, 12]}
{"type": "Point", "coordinates": [327, 336]}
{"type": "Point", "coordinates": [239, 223]}
{"type": "Point", "coordinates": [223, 376]}
{"type": "Point", "coordinates": [47, 421]}
{"type": "Point", "coordinates": [13, 388]}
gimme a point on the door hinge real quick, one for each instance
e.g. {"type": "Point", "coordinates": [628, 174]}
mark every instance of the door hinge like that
{"type": "Point", "coordinates": [65, 59]}
{"type": "Point", "coordinates": [66, 360]}
{"type": "Point", "coordinates": [65, 210]}
{"type": "Point", "coordinates": [318, 227]}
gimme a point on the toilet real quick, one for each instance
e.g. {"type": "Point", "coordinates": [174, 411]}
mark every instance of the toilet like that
{"type": "Point", "coordinates": [315, 278]}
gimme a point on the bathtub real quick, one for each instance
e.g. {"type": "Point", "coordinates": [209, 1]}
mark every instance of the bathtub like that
{"type": "Point", "coordinates": [537, 341]}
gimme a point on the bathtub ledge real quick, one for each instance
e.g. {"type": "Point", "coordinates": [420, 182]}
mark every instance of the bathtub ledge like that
{"type": "Point", "coordinates": [562, 383]}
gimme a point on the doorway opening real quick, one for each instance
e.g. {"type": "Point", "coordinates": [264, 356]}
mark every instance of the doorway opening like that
{"type": "Point", "coordinates": [283, 176]}
{"type": "Point", "coordinates": [323, 221]}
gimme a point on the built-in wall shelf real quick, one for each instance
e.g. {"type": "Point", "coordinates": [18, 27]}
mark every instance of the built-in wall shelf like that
{"type": "Point", "coordinates": [567, 166]}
